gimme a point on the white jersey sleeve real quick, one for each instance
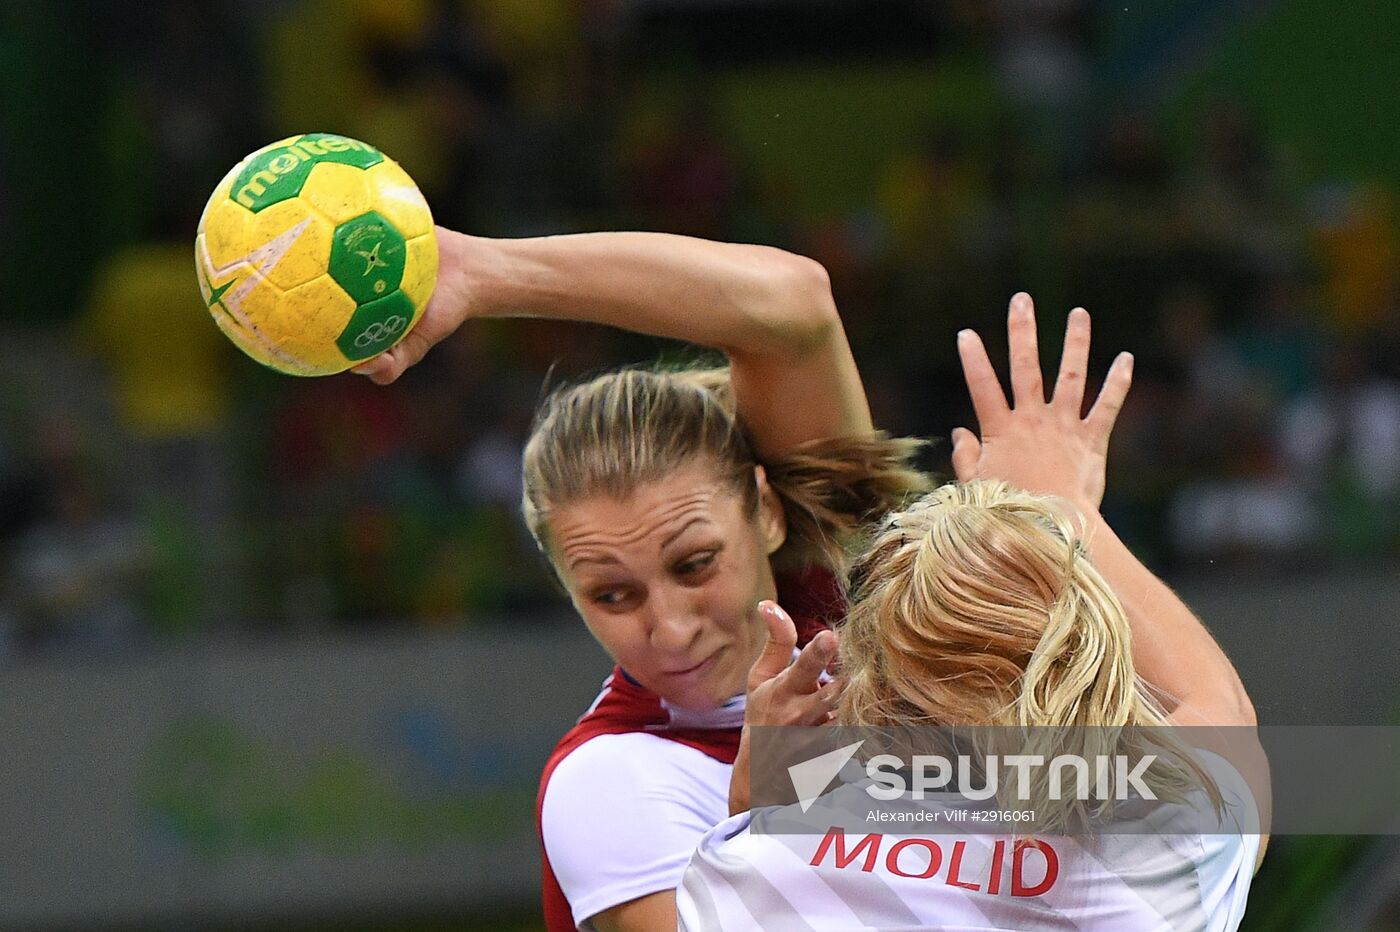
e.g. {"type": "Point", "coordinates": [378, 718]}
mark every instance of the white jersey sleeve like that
{"type": "Point", "coordinates": [1227, 860]}
{"type": "Point", "coordinates": [623, 813]}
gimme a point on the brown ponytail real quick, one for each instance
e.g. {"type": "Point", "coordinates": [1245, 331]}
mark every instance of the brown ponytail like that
{"type": "Point", "coordinates": [612, 433]}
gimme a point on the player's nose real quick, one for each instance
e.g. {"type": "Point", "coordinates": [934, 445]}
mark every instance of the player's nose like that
{"type": "Point", "coordinates": [676, 622]}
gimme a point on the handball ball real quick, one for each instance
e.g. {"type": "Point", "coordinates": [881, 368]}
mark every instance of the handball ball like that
{"type": "Point", "coordinates": [316, 253]}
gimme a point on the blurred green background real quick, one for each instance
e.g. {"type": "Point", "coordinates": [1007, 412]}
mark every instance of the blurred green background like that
{"type": "Point", "coordinates": [1216, 181]}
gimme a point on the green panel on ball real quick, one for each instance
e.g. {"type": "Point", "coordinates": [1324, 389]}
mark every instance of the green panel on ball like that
{"type": "Point", "coordinates": [376, 326]}
{"type": "Point", "coordinates": [276, 174]}
{"type": "Point", "coordinates": [367, 257]}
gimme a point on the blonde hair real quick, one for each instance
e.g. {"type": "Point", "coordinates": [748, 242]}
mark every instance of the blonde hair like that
{"type": "Point", "coordinates": [978, 605]}
{"type": "Point", "coordinates": [629, 427]}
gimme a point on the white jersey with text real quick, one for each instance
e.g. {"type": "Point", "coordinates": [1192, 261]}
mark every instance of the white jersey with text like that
{"type": "Point", "coordinates": [1155, 880]}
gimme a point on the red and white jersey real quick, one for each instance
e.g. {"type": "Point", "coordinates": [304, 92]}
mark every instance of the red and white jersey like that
{"type": "Point", "coordinates": [631, 789]}
{"type": "Point", "coordinates": [741, 879]}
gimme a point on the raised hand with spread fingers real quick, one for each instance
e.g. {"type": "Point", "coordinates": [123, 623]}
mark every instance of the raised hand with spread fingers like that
{"type": "Point", "coordinates": [1048, 447]}
{"type": "Point", "coordinates": [1052, 448]}
{"type": "Point", "coordinates": [1035, 444]}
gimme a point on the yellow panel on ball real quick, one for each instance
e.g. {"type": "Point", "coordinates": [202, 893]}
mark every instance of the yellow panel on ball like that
{"type": "Point", "coordinates": [246, 309]}
{"type": "Point", "coordinates": [288, 243]}
{"type": "Point", "coordinates": [420, 271]}
{"type": "Point", "coordinates": [225, 231]}
{"type": "Point", "coordinates": [202, 265]}
{"type": "Point", "coordinates": [339, 192]}
{"type": "Point", "coordinates": [311, 316]}
{"type": "Point", "coordinates": [399, 199]}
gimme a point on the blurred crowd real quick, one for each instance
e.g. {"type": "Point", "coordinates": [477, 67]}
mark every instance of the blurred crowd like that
{"type": "Point", "coordinates": [160, 486]}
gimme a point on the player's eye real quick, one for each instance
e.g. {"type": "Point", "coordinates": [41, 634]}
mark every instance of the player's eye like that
{"type": "Point", "coordinates": [610, 598]}
{"type": "Point", "coordinates": [696, 565]}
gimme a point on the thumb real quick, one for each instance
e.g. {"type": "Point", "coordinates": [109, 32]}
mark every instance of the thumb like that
{"type": "Point", "coordinates": [777, 652]}
{"type": "Point", "coordinates": [381, 369]}
{"type": "Point", "coordinates": [967, 449]}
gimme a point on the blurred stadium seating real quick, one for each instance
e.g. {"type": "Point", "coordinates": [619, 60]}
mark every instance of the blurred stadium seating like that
{"type": "Point", "coordinates": [1216, 181]}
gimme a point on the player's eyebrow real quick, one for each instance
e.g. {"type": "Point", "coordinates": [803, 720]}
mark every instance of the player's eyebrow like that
{"type": "Point", "coordinates": [670, 539]}
{"type": "Point", "coordinates": [608, 559]}
{"type": "Point", "coordinates": [590, 558]}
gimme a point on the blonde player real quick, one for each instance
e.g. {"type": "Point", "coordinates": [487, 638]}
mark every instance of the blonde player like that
{"type": "Point", "coordinates": [1005, 599]}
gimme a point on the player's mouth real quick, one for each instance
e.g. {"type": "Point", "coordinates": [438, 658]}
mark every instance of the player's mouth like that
{"type": "Point", "coordinates": [697, 670]}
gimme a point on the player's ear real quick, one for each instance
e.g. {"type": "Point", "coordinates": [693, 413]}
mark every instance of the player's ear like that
{"type": "Point", "coordinates": [772, 521]}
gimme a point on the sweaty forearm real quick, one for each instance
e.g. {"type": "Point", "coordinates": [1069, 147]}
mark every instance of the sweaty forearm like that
{"type": "Point", "coordinates": [753, 300]}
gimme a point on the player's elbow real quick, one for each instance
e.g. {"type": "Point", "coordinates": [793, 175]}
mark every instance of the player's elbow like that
{"type": "Point", "coordinates": [1229, 704]}
{"type": "Point", "coordinates": [806, 317]}
{"type": "Point", "coordinates": [1217, 703]}
{"type": "Point", "coordinates": [1243, 705]}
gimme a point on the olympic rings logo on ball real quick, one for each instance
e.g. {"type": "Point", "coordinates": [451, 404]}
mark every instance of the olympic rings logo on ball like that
{"type": "Point", "coordinates": [377, 331]}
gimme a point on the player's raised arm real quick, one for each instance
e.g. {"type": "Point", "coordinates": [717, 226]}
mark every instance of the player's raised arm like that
{"type": "Point", "coordinates": [1046, 446]}
{"type": "Point", "coordinates": [771, 312]}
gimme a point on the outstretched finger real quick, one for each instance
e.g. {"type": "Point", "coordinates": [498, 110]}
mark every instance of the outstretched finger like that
{"type": "Point", "coordinates": [988, 400]}
{"type": "Point", "coordinates": [1110, 401]}
{"type": "Point", "coordinates": [805, 674]}
{"type": "Point", "coordinates": [967, 449]}
{"type": "Point", "coordinates": [1027, 384]}
{"type": "Point", "coordinates": [777, 652]}
{"type": "Point", "coordinates": [1074, 364]}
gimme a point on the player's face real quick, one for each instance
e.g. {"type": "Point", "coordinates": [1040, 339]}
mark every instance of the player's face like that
{"type": "Point", "coordinates": [669, 579]}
